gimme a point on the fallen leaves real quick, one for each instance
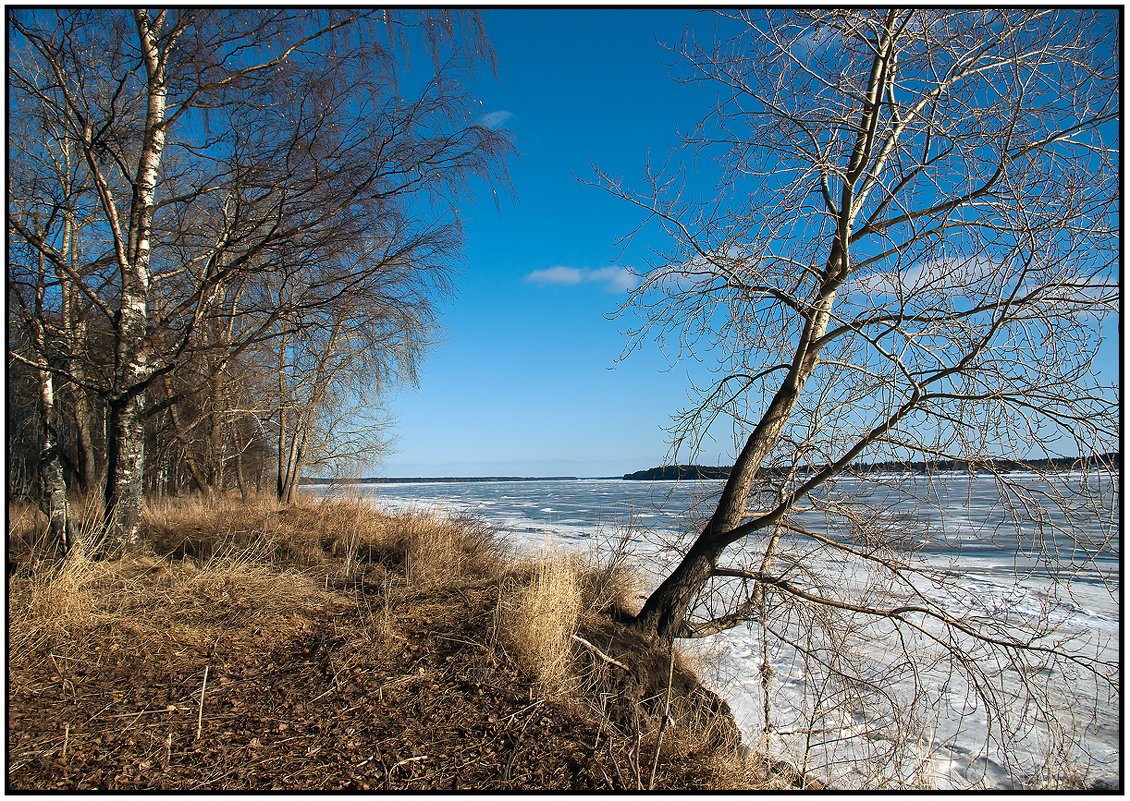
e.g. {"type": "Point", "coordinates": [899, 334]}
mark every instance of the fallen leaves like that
{"type": "Point", "coordinates": [313, 706]}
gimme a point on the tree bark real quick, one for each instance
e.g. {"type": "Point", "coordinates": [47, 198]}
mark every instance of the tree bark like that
{"type": "Point", "coordinates": [52, 484]}
{"type": "Point", "coordinates": [180, 433]}
{"type": "Point", "coordinates": [665, 611]}
{"type": "Point", "coordinates": [293, 473]}
{"type": "Point", "coordinates": [126, 449]}
{"type": "Point", "coordinates": [216, 442]}
{"type": "Point", "coordinates": [239, 482]}
{"type": "Point", "coordinates": [87, 462]}
{"type": "Point", "coordinates": [125, 489]}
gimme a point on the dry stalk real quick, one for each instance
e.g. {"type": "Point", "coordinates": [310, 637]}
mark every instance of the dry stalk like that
{"type": "Point", "coordinates": [663, 723]}
{"type": "Point", "coordinates": [200, 709]}
{"type": "Point", "coordinates": [579, 639]}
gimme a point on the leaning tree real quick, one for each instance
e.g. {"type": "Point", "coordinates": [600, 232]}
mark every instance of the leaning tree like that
{"type": "Point", "coordinates": [905, 258]}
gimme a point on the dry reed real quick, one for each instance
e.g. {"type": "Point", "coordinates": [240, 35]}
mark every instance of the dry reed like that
{"type": "Point", "coordinates": [541, 621]}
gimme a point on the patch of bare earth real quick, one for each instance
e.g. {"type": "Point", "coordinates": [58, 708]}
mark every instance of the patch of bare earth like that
{"type": "Point", "coordinates": [328, 647]}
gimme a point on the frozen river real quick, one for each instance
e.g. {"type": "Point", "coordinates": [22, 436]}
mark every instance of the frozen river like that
{"type": "Point", "coordinates": [907, 718]}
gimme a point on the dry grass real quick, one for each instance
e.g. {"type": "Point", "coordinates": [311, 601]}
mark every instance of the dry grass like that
{"type": "Point", "coordinates": [145, 600]}
{"type": "Point", "coordinates": [441, 551]}
{"type": "Point", "coordinates": [755, 771]}
{"type": "Point", "coordinates": [610, 583]}
{"type": "Point", "coordinates": [539, 623]}
{"type": "Point", "coordinates": [52, 598]}
{"type": "Point", "coordinates": [215, 565]}
{"type": "Point", "coordinates": [57, 603]}
{"type": "Point", "coordinates": [369, 594]}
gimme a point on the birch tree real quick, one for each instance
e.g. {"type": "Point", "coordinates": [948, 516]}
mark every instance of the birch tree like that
{"type": "Point", "coordinates": [910, 246]}
{"type": "Point", "coordinates": [327, 374]}
{"type": "Point", "coordinates": [218, 144]}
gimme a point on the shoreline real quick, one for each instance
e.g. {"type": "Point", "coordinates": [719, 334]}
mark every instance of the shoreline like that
{"type": "Point", "coordinates": [328, 646]}
{"type": "Point", "coordinates": [530, 521]}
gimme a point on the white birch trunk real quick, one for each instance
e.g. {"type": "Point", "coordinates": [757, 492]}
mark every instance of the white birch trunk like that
{"type": "Point", "coordinates": [125, 489]}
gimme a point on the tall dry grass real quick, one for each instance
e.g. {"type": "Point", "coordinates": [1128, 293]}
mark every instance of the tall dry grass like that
{"type": "Point", "coordinates": [51, 597]}
{"type": "Point", "coordinates": [208, 564]}
{"type": "Point", "coordinates": [541, 619]}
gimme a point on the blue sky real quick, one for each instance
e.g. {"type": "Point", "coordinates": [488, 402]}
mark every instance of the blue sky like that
{"type": "Point", "coordinates": [522, 382]}
{"type": "Point", "coordinates": [525, 379]}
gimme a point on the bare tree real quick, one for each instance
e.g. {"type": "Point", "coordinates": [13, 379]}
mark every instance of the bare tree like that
{"type": "Point", "coordinates": [372, 335]}
{"type": "Point", "coordinates": [218, 144]}
{"type": "Point", "coordinates": [913, 237]}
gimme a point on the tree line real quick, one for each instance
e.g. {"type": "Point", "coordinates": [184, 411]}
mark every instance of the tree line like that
{"type": "Point", "coordinates": [698, 472]}
{"type": "Point", "coordinates": [226, 228]}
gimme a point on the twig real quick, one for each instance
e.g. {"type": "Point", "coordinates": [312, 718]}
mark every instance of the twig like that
{"type": "Point", "coordinates": [615, 763]}
{"type": "Point", "coordinates": [406, 761]}
{"type": "Point", "coordinates": [607, 778]}
{"type": "Point", "coordinates": [536, 703]}
{"type": "Point", "coordinates": [64, 681]}
{"type": "Point", "coordinates": [663, 724]}
{"type": "Point", "coordinates": [600, 727]}
{"type": "Point", "coordinates": [456, 639]}
{"type": "Point", "coordinates": [200, 711]}
{"type": "Point", "coordinates": [138, 714]}
{"type": "Point", "coordinates": [636, 761]}
{"type": "Point", "coordinates": [66, 740]}
{"type": "Point", "coordinates": [600, 653]}
{"type": "Point", "coordinates": [517, 742]}
{"type": "Point", "coordinates": [410, 759]}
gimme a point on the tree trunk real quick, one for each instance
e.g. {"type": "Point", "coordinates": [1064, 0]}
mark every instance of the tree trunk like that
{"type": "Point", "coordinates": [665, 612]}
{"type": "Point", "coordinates": [180, 433]}
{"type": "Point", "coordinates": [239, 482]}
{"type": "Point", "coordinates": [52, 485]}
{"type": "Point", "coordinates": [74, 332]}
{"type": "Point", "coordinates": [280, 481]}
{"type": "Point", "coordinates": [288, 481]}
{"type": "Point", "coordinates": [125, 489]}
{"type": "Point", "coordinates": [125, 470]}
{"type": "Point", "coordinates": [87, 463]}
{"type": "Point", "coordinates": [216, 449]}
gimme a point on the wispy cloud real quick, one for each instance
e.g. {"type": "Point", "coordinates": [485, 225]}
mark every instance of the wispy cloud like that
{"type": "Point", "coordinates": [614, 279]}
{"type": "Point", "coordinates": [495, 119]}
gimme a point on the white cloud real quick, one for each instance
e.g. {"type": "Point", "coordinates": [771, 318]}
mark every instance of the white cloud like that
{"type": "Point", "coordinates": [495, 119]}
{"type": "Point", "coordinates": [933, 276]}
{"type": "Point", "coordinates": [614, 279]}
{"type": "Point", "coordinates": [979, 279]}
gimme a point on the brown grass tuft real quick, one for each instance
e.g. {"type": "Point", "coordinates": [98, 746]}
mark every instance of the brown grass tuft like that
{"type": "Point", "coordinates": [432, 552]}
{"type": "Point", "coordinates": [541, 620]}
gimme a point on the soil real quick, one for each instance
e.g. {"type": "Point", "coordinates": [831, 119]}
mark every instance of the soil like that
{"type": "Point", "coordinates": [431, 702]}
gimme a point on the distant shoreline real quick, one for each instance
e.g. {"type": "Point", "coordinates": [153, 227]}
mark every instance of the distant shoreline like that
{"type": "Point", "coordinates": [704, 472]}
{"type": "Point", "coordinates": [719, 473]}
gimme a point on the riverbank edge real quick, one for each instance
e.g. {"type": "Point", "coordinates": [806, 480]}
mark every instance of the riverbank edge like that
{"type": "Point", "coordinates": [241, 628]}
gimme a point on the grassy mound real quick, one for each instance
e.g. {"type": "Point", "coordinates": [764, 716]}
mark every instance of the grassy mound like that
{"type": "Point", "coordinates": [327, 646]}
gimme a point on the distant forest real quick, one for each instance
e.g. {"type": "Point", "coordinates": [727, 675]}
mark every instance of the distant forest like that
{"type": "Point", "coordinates": [702, 472]}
